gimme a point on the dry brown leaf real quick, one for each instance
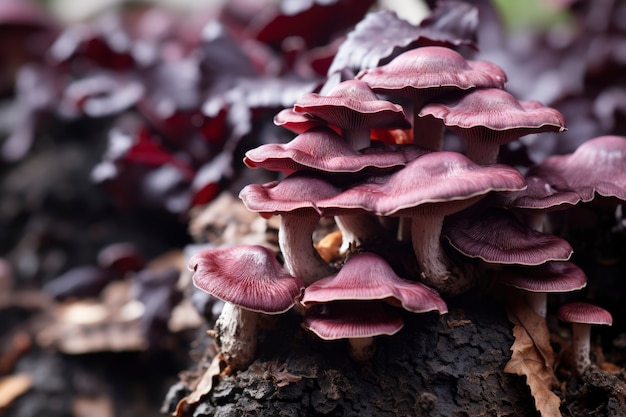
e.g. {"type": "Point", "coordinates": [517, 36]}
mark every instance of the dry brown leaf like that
{"type": "Point", "coordinates": [282, 377]}
{"type": "Point", "coordinates": [184, 317]}
{"type": "Point", "coordinates": [109, 324]}
{"type": "Point", "coordinates": [92, 406]}
{"type": "Point", "coordinates": [533, 357]}
{"type": "Point", "coordinates": [226, 220]}
{"type": "Point", "coordinates": [328, 247]}
{"type": "Point", "coordinates": [203, 386]}
{"type": "Point", "coordinates": [13, 386]}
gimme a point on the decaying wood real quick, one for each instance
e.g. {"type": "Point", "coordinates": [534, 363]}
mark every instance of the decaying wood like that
{"type": "Point", "coordinates": [449, 365]}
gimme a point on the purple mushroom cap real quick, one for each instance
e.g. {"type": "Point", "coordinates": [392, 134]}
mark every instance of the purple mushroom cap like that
{"type": "Point", "coordinates": [247, 276]}
{"type": "Point", "coordinates": [367, 276]}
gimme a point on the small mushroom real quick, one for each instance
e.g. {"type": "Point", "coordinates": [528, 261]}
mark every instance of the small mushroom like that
{"type": "Point", "coordinates": [250, 281]}
{"type": "Point", "coordinates": [367, 276]}
{"type": "Point", "coordinates": [358, 322]}
{"type": "Point", "coordinates": [582, 315]}
{"type": "Point", "coordinates": [595, 167]}
{"type": "Point", "coordinates": [423, 73]}
{"type": "Point", "coordinates": [497, 237]}
{"type": "Point", "coordinates": [538, 281]}
{"type": "Point", "coordinates": [321, 149]}
{"type": "Point", "coordinates": [541, 196]}
{"type": "Point", "coordinates": [489, 117]}
{"type": "Point", "coordinates": [297, 122]}
{"type": "Point", "coordinates": [354, 108]}
{"type": "Point", "coordinates": [364, 278]}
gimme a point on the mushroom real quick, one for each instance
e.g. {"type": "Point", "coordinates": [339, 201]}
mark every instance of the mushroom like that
{"type": "Point", "coordinates": [250, 281]}
{"type": "Point", "coordinates": [321, 149]}
{"type": "Point", "coordinates": [427, 189]}
{"type": "Point", "coordinates": [366, 277]}
{"type": "Point", "coordinates": [354, 108]}
{"type": "Point", "coordinates": [358, 322]}
{"type": "Point", "coordinates": [541, 196]}
{"type": "Point", "coordinates": [297, 122]}
{"type": "Point", "coordinates": [595, 167]}
{"type": "Point", "coordinates": [582, 315]}
{"type": "Point", "coordinates": [538, 281]}
{"type": "Point", "coordinates": [497, 237]}
{"type": "Point", "coordinates": [422, 73]}
{"type": "Point", "coordinates": [294, 199]}
{"type": "Point", "coordinates": [562, 181]}
{"type": "Point", "coordinates": [489, 117]}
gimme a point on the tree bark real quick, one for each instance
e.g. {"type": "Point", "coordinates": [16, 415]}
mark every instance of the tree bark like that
{"type": "Point", "coordinates": [448, 365]}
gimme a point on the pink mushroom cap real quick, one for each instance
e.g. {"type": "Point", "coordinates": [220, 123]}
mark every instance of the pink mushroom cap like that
{"type": "Point", "coordinates": [431, 67]}
{"type": "Point", "coordinates": [297, 122]}
{"type": "Point", "coordinates": [247, 276]}
{"type": "Point", "coordinates": [584, 313]}
{"type": "Point", "coordinates": [597, 166]}
{"type": "Point", "coordinates": [551, 277]}
{"type": "Point", "coordinates": [495, 236]}
{"type": "Point", "coordinates": [367, 276]}
{"type": "Point", "coordinates": [351, 105]}
{"type": "Point", "coordinates": [550, 193]}
{"type": "Point", "coordinates": [494, 115]}
{"type": "Point", "coordinates": [346, 319]}
{"type": "Point", "coordinates": [437, 182]}
{"type": "Point", "coordinates": [299, 191]}
{"type": "Point", "coordinates": [322, 149]}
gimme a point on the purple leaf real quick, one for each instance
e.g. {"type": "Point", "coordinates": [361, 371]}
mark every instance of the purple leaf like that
{"type": "Point", "coordinates": [381, 36]}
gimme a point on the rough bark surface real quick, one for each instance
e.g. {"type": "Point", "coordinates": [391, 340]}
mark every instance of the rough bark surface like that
{"type": "Point", "coordinates": [447, 365]}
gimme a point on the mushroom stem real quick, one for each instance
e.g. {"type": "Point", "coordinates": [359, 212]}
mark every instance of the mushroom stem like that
{"type": "Point", "coordinates": [296, 244]}
{"type": "Point", "coordinates": [425, 234]}
{"type": "Point", "coordinates": [538, 301]}
{"type": "Point", "coordinates": [236, 335]}
{"type": "Point", "coordinates": [357, 138]}
{"type": "Point", "coordinates": [434, 264]}
{"type": "Point", "coordinates": [581, 335]}
{"type": "Point", "coordinates": [535, 219]}
{"type": "Point", "coordinates": [361, 349]}
{"type": "Point", "coordinates": [482, 152]}
{"type": "Point", "coordinates": [358, 228]}
{"type": "Point", "coordinates": [404, 229]}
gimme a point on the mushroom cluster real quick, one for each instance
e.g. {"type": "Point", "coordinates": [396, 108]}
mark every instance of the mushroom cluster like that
{"type": "Point", "coordinates": [385, 193]}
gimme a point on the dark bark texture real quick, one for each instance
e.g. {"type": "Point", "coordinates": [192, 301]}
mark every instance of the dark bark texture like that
{"type": "Point", "coordinates": [448, 365]}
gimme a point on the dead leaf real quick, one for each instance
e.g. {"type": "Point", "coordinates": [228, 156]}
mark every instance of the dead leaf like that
{"type": "Point", "coordinates": [184, 317]}
{"type": "Point", "coordinates": [13, 386]}
{"type": "Point", "coordinates": [282, 377]}
{"type": "Point", "coordinates": [92, 406]}
{"type": "Point", "coordinates": [328, 247]}
{"type": "Point", "coordinates": [226, 219]}
{"type": "Point", "coordinates": [533, 357]}
{"type": "Point", "coordinates": [203, 386]}
{"type": "Point", "coordinates": [108, 324]}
